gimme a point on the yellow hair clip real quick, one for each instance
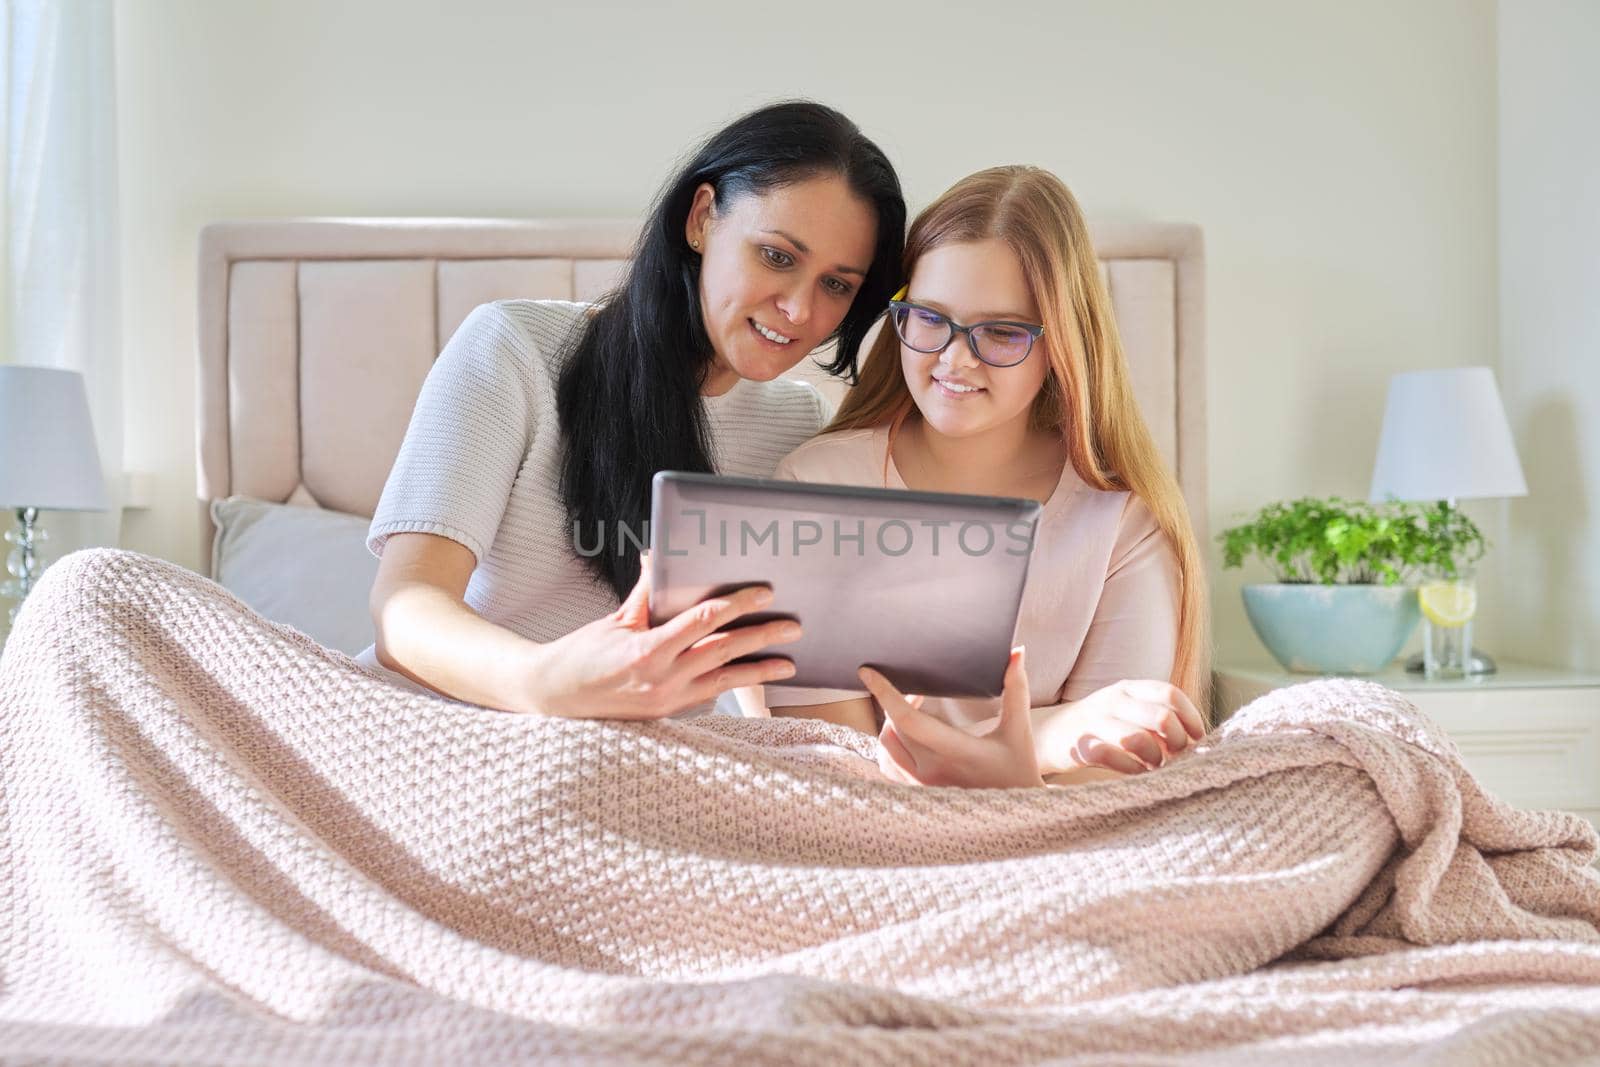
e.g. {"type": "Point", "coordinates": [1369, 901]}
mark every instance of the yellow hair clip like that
{"type": "Point", "coordinates": [901, 295]}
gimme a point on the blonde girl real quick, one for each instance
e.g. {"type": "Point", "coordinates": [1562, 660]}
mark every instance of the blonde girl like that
{"type": "Point", "coordinates": [1001, 372]}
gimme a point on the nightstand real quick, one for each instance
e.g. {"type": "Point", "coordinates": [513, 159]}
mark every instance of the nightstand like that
{"type": "Point", "coordinates": [1530, 735]}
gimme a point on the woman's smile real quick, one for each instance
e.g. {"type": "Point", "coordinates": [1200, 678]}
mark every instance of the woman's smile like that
{"type": "Point", "coordinates": [771, 336]}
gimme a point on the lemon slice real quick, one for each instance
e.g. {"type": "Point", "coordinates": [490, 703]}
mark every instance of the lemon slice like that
{"type": "Point", "coordinates": [1448, 604]}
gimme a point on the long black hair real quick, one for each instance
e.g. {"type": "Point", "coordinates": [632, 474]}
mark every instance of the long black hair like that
{"type": "Point", "coordinates": [629, 392]}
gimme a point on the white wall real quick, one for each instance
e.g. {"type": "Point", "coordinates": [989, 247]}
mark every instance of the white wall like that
{"type": "Point", "coordinates": [1549, 91]}
{"type": "Point", "coordinates": [1341, 158]}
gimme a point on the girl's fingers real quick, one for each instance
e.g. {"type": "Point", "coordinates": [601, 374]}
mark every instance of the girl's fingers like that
{"type": "Point", "coordinates": [1194, 724]}
{"type": "Point", "coordinates": [1090, 751]}
{"type": "Point", "coordinates": [887, 768]}
{"type": "Point", "coordinates": [913, 724]}
{"type": "Point", "coordinates": [1170, 696]}
{"type": "Point", "coordinates": [1159, 720]}
{"type": "Point", "coordinates": [1143, 746]}
{"type": "Point", "coordinates": [899, 757]}
{"type": "Point", "coordinates": [1176, 734]}
{"type": "Point", "coordinates": [1014, 699]}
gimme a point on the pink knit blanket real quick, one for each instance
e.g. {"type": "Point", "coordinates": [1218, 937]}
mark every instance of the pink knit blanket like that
{"type": "Point", "coordinates": [225, 844]}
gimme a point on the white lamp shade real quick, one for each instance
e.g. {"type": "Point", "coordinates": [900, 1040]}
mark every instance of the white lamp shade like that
{"type": "Point", "coordinates": [1445, 437]}
{"type": "Point", "coordinates": [48, 457]}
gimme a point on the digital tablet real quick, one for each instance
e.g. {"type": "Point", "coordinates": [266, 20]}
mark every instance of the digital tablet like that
{"type": "Point", "coordinates": [925, 587]}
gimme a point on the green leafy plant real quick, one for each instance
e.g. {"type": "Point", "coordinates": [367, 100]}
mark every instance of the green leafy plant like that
{"type": "Point", "coordinates": [1343, 542]}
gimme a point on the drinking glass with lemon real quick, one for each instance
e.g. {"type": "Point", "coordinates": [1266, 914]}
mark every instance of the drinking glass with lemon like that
{"type": "Point", "coordinates": [1448, 605]}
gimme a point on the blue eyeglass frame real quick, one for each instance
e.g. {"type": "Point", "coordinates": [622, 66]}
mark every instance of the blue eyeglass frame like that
{"type": "Point", "coordinates": [1033, 331]}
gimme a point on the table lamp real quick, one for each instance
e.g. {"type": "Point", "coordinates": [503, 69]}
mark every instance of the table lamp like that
{"type": "Point", "coordinates": [48, 461]}
{"type": "Point", "coordinates": [1446, 438]}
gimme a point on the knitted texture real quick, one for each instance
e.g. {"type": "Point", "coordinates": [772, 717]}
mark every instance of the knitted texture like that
{"type": "Point", "coordinates": [225, 844]}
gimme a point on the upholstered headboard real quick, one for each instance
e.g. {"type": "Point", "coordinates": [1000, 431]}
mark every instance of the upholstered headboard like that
{"type": "Point", "coordinates": [316, 334]}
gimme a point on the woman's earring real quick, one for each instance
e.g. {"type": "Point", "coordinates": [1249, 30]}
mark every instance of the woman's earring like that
{"type": "Point", "coordinates": [695, 245]}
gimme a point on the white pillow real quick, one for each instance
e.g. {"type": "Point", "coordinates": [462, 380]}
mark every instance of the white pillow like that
{"type": "Point", "coordinates": [308, 567]}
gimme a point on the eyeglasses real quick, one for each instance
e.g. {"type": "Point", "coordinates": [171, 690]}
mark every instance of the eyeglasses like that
{"type": "Point", "coordinates": [999, 344]}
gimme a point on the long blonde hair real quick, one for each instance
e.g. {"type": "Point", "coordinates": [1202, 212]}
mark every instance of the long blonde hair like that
{"type": "Point", "coordinates": [1086, 394]}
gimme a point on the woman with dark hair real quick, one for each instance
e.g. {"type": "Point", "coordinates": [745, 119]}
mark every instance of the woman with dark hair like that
{"type": "Point", "coordinates": [509, 530]}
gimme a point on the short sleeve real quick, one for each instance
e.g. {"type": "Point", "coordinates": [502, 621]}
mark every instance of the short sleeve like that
{"type": "Point", "coordinates": [785, 469]}
{"type": "Point", "coordinates": [468, 435]}
{"type": "Point", "coordinates": [1134, 632]}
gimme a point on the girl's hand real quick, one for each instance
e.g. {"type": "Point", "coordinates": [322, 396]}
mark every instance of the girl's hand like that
{"type": "Point", "coordinates": [1131, 726]}
{"type": "Point", "coordinates": [618, 667]}
{"type": "Point", "coordinates": [918, 748]}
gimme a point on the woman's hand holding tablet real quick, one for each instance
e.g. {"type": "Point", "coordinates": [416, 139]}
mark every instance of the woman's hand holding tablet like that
{"type": "Point", "coordinates": [628, 669]}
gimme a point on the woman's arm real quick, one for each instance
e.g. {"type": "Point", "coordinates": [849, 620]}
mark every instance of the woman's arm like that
{"type": "Point", "coordinates": [615, 667]}
{"type": "Point", "coordinates": [426, 632]}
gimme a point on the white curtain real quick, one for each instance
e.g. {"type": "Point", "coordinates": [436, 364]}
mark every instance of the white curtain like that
{"type": "Point", "coordinates": [59, 267]}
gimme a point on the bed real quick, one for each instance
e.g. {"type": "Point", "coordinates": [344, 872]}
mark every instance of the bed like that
{"type": "Point", "coordinates": [315, 336]}
{"type": "Point", "coordinates": [225, 842]}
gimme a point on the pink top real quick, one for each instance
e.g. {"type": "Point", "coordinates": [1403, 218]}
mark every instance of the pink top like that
{"type": "Point", "coordinates": [1102, 600]}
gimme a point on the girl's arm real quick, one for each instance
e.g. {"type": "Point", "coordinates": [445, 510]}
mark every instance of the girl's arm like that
{"type": "Point", "coordinates": [1118, 709]}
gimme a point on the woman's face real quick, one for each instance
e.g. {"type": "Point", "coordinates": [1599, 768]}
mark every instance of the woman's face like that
{"type": "Point", "coordinates": [778, 271]}
{"type": "Point", "coordinates": [958, 394]}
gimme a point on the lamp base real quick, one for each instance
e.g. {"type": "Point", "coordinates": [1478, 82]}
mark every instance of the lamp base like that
{"type": "Point", "coordinates": [23, 561]}
{"type": "Point", "coordinates": [1477, 663]}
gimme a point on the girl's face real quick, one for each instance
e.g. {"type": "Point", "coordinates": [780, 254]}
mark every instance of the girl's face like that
{"type": "Point", "coordinates": [778, 271]}
{"type": "Point", "coordinates": [958, 394]}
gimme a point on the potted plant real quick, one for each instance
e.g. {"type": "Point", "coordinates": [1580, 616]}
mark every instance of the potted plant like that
{"type": "Point", "coordinates": [1343, 601]}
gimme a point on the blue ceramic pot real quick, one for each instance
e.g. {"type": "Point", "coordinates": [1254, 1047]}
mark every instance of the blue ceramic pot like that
{"type": "Point", "coordinates": [1333, 629]}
